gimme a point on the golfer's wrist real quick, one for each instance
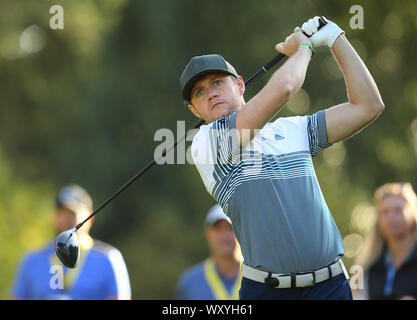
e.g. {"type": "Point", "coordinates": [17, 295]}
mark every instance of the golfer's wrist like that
{"type": "Point", "coordinates": [308, 46]}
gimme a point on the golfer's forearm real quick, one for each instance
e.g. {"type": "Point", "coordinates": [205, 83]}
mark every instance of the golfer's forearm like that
{"type": "Point", "coordinates": [284, 83]}
{"type": "Point", "coordinates": [290, 77]}
{"type": "Point", "coordinates": [360, 85]}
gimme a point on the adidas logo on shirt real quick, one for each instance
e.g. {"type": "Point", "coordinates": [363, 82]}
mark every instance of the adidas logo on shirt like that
{"type": "Point", "coordinates": [278, 137]}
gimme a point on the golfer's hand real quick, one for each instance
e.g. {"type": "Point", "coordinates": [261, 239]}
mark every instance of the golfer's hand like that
{"type": "Point", "coordinates": [327, 35]}
{"type": "Point", "coordinates": [292, 43]}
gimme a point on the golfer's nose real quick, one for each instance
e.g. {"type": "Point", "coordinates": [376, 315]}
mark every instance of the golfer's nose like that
{"type": "Point", "coordinates": [212, 93]}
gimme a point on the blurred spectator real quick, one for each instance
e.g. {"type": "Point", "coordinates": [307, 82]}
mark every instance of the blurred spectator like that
{"type": "Point", "coordinates": [100, 273]}
{"type": "Point", "coordinates": [389, 257]}
{"type": "Point", "coordinates": [218, 277]}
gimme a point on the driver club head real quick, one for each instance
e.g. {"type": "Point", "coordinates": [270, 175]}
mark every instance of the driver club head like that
{"type": "Point", "coordinates": [67, 248]}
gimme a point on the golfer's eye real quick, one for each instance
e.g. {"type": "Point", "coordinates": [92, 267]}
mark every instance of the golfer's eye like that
{"type": "Point", "coordinates": [199, 92]}
{"type": "Point", "coordinates": [218, 82]}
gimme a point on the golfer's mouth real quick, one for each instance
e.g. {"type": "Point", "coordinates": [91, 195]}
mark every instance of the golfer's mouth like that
{"type": "Point", "coordinates": [216, 104]}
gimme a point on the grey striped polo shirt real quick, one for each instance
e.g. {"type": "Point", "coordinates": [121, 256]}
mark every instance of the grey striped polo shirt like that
{"type": "Point", "coordinates": [270, 191]}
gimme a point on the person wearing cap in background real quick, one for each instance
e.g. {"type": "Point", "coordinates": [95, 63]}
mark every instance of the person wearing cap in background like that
{"type": "Point", "coordinates": [261, 173]}
{"type": "Point", "coordinates": [101, 272]}
{"type": "Point", "coordinates": [218, 277]}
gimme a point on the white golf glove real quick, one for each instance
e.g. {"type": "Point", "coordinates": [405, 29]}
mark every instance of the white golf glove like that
{"type": "Point", "coordinates": [327, 35]}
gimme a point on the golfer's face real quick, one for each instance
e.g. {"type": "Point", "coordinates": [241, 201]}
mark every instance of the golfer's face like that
{"type": "Point", "coordinates": [216, 95]}
{"type": "Point", "coordinates": [221, 238]}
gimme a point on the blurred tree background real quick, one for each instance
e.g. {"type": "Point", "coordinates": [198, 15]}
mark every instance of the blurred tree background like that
{"type": "Point", "coordinates": [82, 105]}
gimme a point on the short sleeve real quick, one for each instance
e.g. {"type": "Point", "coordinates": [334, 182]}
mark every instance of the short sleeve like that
{"type": "Point", "coordinates": [317, 132]}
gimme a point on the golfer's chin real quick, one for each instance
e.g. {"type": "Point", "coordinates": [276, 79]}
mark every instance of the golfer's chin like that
{"type": "Point", "coordinates": [221, 113]}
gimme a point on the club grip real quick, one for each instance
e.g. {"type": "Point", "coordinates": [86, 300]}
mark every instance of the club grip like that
{"type": "Point", "coordinates": [279, 56]}
{"type": "Point", "coordinates": [274, 61]}
{"type": "Point", "coordinates": [322, 23]}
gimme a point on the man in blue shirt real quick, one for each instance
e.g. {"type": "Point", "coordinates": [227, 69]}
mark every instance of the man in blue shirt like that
{"type": "Point", "coordinates": [262, 173]}
{"type": "Point", "coordinates": [218, 277]}
{"type": "Point", "coordinates": [99, 274]}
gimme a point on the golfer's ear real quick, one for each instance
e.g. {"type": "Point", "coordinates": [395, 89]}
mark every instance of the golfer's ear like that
{"type": "Point", "coordinates": [194, 110]}
{"type": "Point", "coordinates": [241, 85]}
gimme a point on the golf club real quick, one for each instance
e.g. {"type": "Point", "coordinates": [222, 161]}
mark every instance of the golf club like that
{"type": "Point", "coordinates": [66, 243]}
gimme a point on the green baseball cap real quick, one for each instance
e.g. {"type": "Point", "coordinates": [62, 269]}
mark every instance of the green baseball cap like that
{"type": "Point", "coordinates": [200, 66]}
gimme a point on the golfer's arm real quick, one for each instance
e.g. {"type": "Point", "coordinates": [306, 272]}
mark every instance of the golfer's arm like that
{"type": "Point", "coordinates": [365, 102]}
{"type": "Point", "coordinates": [284, 83]}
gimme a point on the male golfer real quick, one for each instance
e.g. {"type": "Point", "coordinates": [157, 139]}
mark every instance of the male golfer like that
{"type": "Point", "coordinates": [262, 173]}
{"type": "Point", "coordinates": [218, 277]}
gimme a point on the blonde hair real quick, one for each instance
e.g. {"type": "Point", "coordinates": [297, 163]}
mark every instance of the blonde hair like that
{"type": "Point", "coordinates": [374, 241]}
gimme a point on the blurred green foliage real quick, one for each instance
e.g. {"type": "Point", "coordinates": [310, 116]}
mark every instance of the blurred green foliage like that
{"type": "Point", "coordinates": [82, 105]}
